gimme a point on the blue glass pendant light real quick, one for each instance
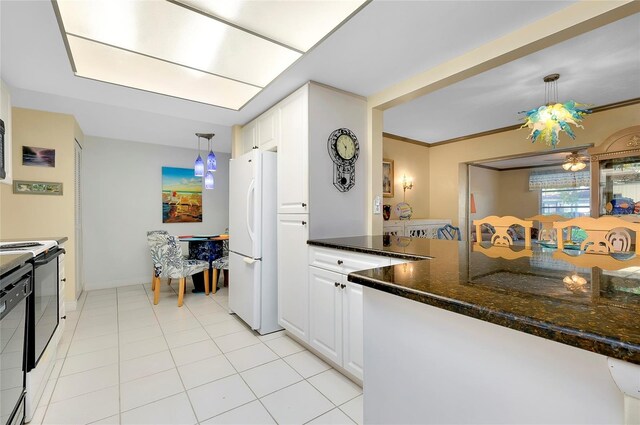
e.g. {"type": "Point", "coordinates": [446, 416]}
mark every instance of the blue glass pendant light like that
{"type": "Point", "coordinates": [211, 161]}
{"type": "Point", "coordinates": [211, 158]}
{"type": "Point", "coordinates": [198, 167]}
{"type": "Point", "coordinates": [208, 180]}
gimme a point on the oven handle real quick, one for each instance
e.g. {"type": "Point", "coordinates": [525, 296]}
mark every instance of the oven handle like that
{"type": "Point", "coordinates": [58, 253]}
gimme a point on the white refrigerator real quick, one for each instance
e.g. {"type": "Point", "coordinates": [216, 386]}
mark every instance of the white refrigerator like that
{"type": "Point", "coordinates": [253, 271]}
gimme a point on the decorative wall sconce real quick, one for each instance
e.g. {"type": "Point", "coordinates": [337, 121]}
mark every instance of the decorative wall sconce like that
{"type": "Point", "coordinates": [407, 183]}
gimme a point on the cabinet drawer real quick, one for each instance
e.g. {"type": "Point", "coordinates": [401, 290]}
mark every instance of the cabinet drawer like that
{"type": "Point", "coordinates": [344, 261]}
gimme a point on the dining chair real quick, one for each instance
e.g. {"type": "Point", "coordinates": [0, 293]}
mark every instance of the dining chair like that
{"type": "Point", "coordinates": [605, 235]}
{"type": "Point", "coordinates": [546, 231]}
{"type": "Point", "coordinates": [170, 263]}
{"type": "Point", "coordinates": [154, 243]}
{"type": "Point", "coordinates": [221, 263]}
{"type": "Point", "coordinates": [501, 237]}
{"type": "Point", "coordinates": [449, 232]}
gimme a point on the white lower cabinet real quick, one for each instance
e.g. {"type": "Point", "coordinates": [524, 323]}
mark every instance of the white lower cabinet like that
{"type": "Point", "coordinates": [335, 305]}
{"type": "Point", "coordinates": [293, 284]}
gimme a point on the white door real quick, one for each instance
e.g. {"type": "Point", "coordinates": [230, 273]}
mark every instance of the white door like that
{"type": "Point", "coordinates": [293, 163]}
{"type": "Point", "coordinates": [352, 328]}
{"type": "Point", "coordinates": [245, 204]}
{"type": "Point", "coordinates": [293, 263]}
{"type": "Point", "coordinates": [244, 293]}
{"type": "Point", "coordinates": [325, 312]}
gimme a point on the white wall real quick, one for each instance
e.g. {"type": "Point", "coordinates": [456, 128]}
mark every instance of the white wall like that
{"type": "Point", "coordinates": [5, 115]}
{"type": "Point", "coordinates": [122, 189]}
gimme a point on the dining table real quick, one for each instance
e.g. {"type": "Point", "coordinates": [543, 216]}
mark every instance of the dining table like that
{"type": "Point", "coordinates": [206, 248]}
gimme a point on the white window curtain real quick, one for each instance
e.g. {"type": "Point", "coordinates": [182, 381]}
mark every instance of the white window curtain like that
{"type": "Point", "coordinates": [558, 179]}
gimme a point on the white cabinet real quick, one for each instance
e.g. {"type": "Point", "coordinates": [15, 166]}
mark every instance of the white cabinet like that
{"type": "Point", "coordinates": [249, 138]}
{"type": "Point", "coordinates": [335, 305]}
{"type": "Point", "coordinates": [418, 228]}
{"type": "Point", "coordinates": [293, 169]}
{"type": "Point", "coordinates": [325, 312]}
{"type": "Point", "coordinates": [268, 129]}
{"type": "Point", "coordinates": [62, 283]}
{"type": "Point", "coordinates": [293, 287]}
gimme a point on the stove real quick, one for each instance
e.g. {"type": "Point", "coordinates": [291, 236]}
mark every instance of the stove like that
{"type": "Point", "coordinates": [34, 248]}
{"type": "Point", "coordinates": [44, 314]}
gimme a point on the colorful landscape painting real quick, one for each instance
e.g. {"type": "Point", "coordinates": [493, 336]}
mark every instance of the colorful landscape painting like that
{"type": "Point", "coordinates": [38, 157]}
{"type": "Point", "coordinates": [181, 196]}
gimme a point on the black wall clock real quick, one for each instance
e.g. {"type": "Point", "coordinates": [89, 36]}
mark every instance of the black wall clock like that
{"type": "Point", "coordinates": [343, 149]}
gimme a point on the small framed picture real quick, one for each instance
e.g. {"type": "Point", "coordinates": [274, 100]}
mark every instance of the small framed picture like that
{"type": "Point", "coordinates": [37, 188]}
{"type": "Point", "coordinates": [387, 178]}
{"type": "Point", "coordinates": [38, 157]}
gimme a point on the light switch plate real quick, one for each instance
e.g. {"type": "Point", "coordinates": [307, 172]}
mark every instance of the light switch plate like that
{"type": "Point", "coordinates": [377, 203]}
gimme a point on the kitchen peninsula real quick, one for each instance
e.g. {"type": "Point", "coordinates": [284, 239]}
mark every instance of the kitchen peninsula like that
{"type": "Point", "coordinates": [545, 362]}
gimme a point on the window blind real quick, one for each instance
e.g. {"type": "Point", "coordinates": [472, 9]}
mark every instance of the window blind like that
{"type": "Point", "coordinates": [558, 179]}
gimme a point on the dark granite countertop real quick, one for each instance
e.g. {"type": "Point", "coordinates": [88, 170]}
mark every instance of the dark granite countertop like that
{"type": "Point", "coordinates": [11, 261]}
{"type": "Point", "coordinates": [587, 301]}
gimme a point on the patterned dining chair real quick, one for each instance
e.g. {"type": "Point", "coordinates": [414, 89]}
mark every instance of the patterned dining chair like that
{"type": "Point", "coordinates": [221, 263]}
{"type": "Point", "coordinates": [449, 232]}
{"type": "Point", "coordinates": [170, 263]}
{"type": "Point", "coordinates": [154, 243]}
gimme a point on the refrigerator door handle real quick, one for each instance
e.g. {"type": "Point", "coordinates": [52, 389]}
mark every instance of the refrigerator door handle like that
{"type": "Point", "coordinates": [249, 260]}
{"type": "Point", "coordinates": [250, 193]}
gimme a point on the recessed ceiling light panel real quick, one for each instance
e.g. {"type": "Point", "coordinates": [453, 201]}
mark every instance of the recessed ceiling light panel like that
{"type": "Point", "coordinates": [298, 24]}
{"type": "Point", "coordinates": [105, 63]}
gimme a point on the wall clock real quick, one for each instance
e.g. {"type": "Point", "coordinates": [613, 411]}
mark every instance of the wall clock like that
{"type": "Point", "coordinates": [344, 150]}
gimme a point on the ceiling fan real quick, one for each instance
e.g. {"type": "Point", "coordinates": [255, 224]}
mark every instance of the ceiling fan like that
{"type": "Point", "coordinates": [575, 162]}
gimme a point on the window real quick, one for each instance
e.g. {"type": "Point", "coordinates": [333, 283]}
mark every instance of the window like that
{"type": "Point", "coordinates": [569, 202]}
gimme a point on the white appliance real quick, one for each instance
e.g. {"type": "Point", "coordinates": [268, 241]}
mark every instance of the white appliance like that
{"type": "Point", "coordinates": [253, 276]}
{"type": "Point", "coordinates": [46, 304]}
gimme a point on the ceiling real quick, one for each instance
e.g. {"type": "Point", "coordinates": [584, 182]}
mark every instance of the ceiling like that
{"type": "Point", "coordinates": [533, 161]}
{"type": "Point", "coordinates": [386, 42]}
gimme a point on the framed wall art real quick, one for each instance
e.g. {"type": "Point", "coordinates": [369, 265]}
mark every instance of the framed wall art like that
{"type": "Point", "coordinates": [181, 196]}
{"type": "Point", "coordinates": [36, 188]}
{"type": "Point", "coordinates": [38, 157]}
{"type": "Point", "coordinates": [387, 178]}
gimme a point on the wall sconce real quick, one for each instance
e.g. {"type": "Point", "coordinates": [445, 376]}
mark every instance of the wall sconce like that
{"type": "Point", "coordinates": [407, 183]}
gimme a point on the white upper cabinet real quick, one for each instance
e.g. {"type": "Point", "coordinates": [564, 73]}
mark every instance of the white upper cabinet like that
{"type": "Point", "coordinates": [293, 162]}
{"type": "Point", "coordinates": [249, 137]}
{"type": "Point", "coordinates": [269, 129]}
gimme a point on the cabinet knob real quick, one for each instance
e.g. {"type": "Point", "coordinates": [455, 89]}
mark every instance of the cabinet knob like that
{"type": "Point", "coordinates": [336, 284]}
{"type": "Point", "coordinates": [340, 262]}
{"type": "Point", "coordinates": [64, 279]}
{"type": "Point", "coordinates": [343, 286]}
{"type": "Point", "coordinates": [304, 223]}
{"type": "Point", "coordinates": [304, 205]}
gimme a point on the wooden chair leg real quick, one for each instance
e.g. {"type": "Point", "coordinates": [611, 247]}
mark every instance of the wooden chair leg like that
{"type": "Point", "coordinates": [181, 291]}
{"type": "Point", "coordinates": [156, 290]}
{"type": "Point", "coordinates": [153, 280]}
{"type": "Point", "coordinates": [214, 281]}
{"type": "Point", "coordinates": [206, 281]}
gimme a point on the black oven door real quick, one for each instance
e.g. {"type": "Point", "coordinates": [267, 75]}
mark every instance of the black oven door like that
{"type": "Point", "coordinates": [44, 304]}
{"type": "Point", "coordinates": [15, 288]}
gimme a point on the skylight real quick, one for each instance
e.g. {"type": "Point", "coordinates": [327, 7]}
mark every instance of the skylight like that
{"type": "Point", "coordinates": [216, 52]}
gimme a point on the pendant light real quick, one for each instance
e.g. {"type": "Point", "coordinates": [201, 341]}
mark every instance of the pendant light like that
{"type": "Point", "coordinates": [211, 160]}
{"type": "Point", "coordinates": [547, 121]}
{"type": "Point", "coordinates": [198, 167]}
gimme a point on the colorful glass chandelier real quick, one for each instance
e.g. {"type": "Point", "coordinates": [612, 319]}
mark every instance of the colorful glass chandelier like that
{"type": "Point", "coordinates": [547, 121]}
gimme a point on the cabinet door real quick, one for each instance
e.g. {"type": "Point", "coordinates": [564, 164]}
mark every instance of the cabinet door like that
{"type": "Point", "coordinates": [352, 328]}
{"type": "Point", "coordinates": [325, 312]}
{"type": "Point", "coordinates": [248, 137]}
{"type": "Point", "coordinates": [293, 168]}
{"type": "Point", "coordinates": [293, 287]}
{"type": "Point", "coordinates": [268, 129]}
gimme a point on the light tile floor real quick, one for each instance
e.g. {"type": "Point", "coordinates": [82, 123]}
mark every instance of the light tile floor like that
{"type": "Point", "coordinates": [124, 361]}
